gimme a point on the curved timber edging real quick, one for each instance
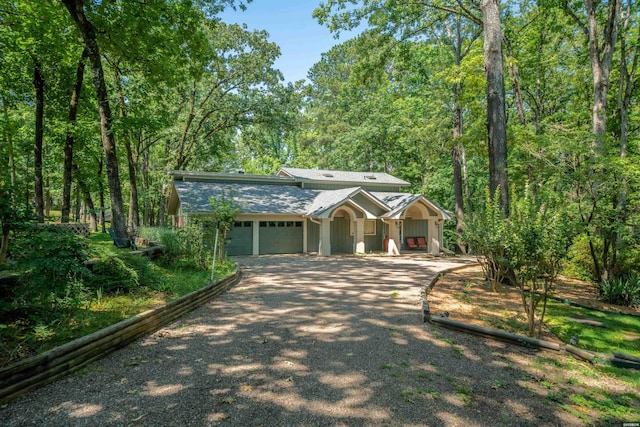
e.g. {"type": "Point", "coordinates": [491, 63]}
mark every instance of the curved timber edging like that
{"type": "Point", "coordinates": [619, 359]}
{"type": "Point", "coordinates": [36, 371]}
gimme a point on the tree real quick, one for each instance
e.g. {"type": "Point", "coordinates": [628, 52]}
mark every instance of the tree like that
{"type": "Point", "coordinates": [76, 9]}
{"type": "Point", "coordinates": [496, 101]}
{"type": "Point", "coordinates": [395, 16]}
{"type": "Point", "coordinates": [70, 137]}
{"type": "Point", "coordinates": [224, 213]}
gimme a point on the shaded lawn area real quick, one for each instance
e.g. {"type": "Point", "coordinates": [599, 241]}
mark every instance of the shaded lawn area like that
{"type": "Point", "coordinates": [25, 333]}
{"type": "Point", "coordinates": [621, 332]}
{"type": "Point", "coordinates": [468, 298]}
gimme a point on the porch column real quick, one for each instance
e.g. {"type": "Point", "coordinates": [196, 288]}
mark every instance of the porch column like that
{"type": "Point", "coordinates": [256, 238]}
{"type": "Point", "coordinates": [325, 237]}
{"type": "Point", "coordinates": [394, 237]}
{"type": "Point", "coordinates": [359, 235]}
{"type": "Point", "coordinates": [304, 236]}
{"type": "Point", "coordinates": [433, 238]}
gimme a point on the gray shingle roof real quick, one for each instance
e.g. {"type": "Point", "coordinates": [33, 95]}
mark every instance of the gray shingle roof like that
{"type": "Point", "coordinates": [366, 178]}
{"type": "Point", "coordinates": [283, 199]}
{"type": "Point", "coordinates": [327, 199]}
{"type": "Point", "coordinates": [250, 198]}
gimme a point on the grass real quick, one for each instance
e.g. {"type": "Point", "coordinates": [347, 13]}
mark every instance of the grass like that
{"type": "Point", "coordinates": [25, 335]}
{"type": "Point", "coordinates": [622, 332]}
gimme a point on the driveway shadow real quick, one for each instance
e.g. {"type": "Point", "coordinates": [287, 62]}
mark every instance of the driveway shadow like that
{"type": "Point", "coordinates": [303, 341]}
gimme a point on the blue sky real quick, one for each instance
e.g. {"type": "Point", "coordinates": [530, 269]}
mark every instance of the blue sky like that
{"type": "Point", "coordinates": [290, 25]}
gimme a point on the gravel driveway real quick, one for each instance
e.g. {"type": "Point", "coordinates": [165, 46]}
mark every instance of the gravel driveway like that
{"type": "Point", "coordinates": [302, 340]}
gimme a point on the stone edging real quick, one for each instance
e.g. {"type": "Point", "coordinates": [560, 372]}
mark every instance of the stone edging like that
{"type": "Point", "coordinates": [36, 371]}
{"type": "Point", "coordinates": [618, 359]}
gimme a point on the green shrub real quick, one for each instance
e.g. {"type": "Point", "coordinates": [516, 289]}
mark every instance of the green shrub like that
{"type": "Point", "coordinates": [622, 291]}
{"type": "Point", "coordinates": [579, 263]}
{"type": "Point", "coordinates": [53, 261]}
{"type": "Point", "coordinates": [189, 247]}
{"type": "Point", "coordinates": [112, 274]}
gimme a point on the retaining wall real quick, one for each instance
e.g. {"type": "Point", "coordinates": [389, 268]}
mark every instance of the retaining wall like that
{"type": "Point", "coordinates": [34, 372]}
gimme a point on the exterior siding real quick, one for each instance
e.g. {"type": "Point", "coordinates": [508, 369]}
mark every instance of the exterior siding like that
{"type": "Point", "coordinates": [341, 238]}
{"type": "Point", "coordinates": [374, 243]}
{"type": "Point", "coordinates": [313, 236]}
{"type": "Point", "coordinates": [368, 204]}
{"type": "Point", "coordinates": [280, 237]}
{"type": "Point", "coordinates": [415, 228]}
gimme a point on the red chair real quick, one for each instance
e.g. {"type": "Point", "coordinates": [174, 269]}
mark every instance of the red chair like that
{"type": "Point", "coordinates": [411, 243]}
{"type": "Point", "coordinates": [422, 242]}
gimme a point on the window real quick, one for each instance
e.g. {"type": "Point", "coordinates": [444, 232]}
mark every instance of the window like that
{"type": "Point", "coordinates": [298, 223]}
{"type": "Point", "coordinates": [263, 223]}
{"type": "Point", "coordinates": [248, 224]}
{"type": "Point", "coordinates": [289, 223]}
{"type": "Point", "coordinates": [272, 224]}
{"type": "Point", "coordinates": [371, 177]}
{"type": "Point", "coordinates": [280, 223]}
{"type": "Point", "coordinates": [237, 224]}
{"type": "Point", "coordinates": [369, 227]}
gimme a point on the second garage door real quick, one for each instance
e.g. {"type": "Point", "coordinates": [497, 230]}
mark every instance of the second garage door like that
{"type": "Point", "coordinates": [280, 237]}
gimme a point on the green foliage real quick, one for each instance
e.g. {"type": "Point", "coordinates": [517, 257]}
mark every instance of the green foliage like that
{"type": "Point", "coordinates": [188, 246]}
{"type": "Point", "coordinates": [224, 213]}
{"type": "Point", "coordinates": [579, 262]}
{"type": "Point", "coordinates": [485, 233]}
{"type": "Point", "coordinates": [53, 261]}
{"type": "Point", "coordinates": [112, 274]}
{"type": "Point", "coordinates": [621, 291]}
{"type": "Point", "coordinates": [527, 247]}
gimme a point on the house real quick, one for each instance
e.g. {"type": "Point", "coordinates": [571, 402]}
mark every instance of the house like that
{"type": "Point", "coordinates": [310, 210]}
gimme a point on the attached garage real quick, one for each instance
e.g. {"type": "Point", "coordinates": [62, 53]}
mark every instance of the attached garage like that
{"type": "Point", "coordinates": [240, 238]}
{"type": "Point", "coordinates": [280, 237]}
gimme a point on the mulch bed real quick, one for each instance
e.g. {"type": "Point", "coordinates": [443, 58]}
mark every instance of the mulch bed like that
{"type": "Point", "coordinates": [468, 297]}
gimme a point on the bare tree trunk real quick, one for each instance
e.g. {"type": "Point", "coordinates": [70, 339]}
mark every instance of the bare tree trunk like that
{"type": "Point", "coordinates": [134, 215]}
{"type": "Point", "coordinates": [47, 197]}
{"type": "Point", "coordinates": [70, 139]}
{"type": "Point", "coordinates": [76, 10]}
{"type": "Point", "coordinates": [101, 196]}
{"type": "Point", "coordinates": [38, 83]}
{"type": "Point", "coordinates": [9, 138]}
{"type": "Point", "coordinates": [496, 110]}
{"type": "Point", "coordinates": [514, 73]}
{"type": "Point", "coordinates": [77, 213]}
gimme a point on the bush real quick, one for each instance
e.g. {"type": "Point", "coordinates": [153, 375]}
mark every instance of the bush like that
{"type": "Point", "coordinates": [579, 262]}
{"type": "Point", "coordinates": [188, 247]}
{"type": "Point", "coordinates": [623, 291]}
{"type": "Point", "coordinates": [53, 261]}
{"type": "Point", "coordinates": [112, 274]}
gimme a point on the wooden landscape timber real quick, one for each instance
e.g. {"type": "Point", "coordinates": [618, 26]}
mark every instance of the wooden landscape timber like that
{"type": "Point", "coordinates": [34, 372]}
{"type": "Point", "coordinates": [617, 359]}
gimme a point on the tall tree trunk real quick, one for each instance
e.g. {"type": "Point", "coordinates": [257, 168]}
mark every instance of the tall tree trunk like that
{"type": "Point", "coordinates": [76, 10]}
{"type": "Point", "coordinates": [47, 197]}
{"type": "Point", "coordinates": [9, 139]}
{"type": "Point", "coordinates": [101, 197]}
{"type": "Point", "coordinates": [134, 210]}
{"type": "Point", "coordinates": [70, 139]}
{"type": "Point", "coordinates": [38, 83]}
{"type": "Point", "coordinates": [628, 57]}
{"type": "Point", "coordinates": [146, 215]}
{"type": "Point", "coordinates": [496, 109]}
{"type": "Point", "coordinates": [76, 217]}
{"type": "Point", "coordinates": [514, 73]}
{"type": "Point", "coordinates": [457, 165]}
